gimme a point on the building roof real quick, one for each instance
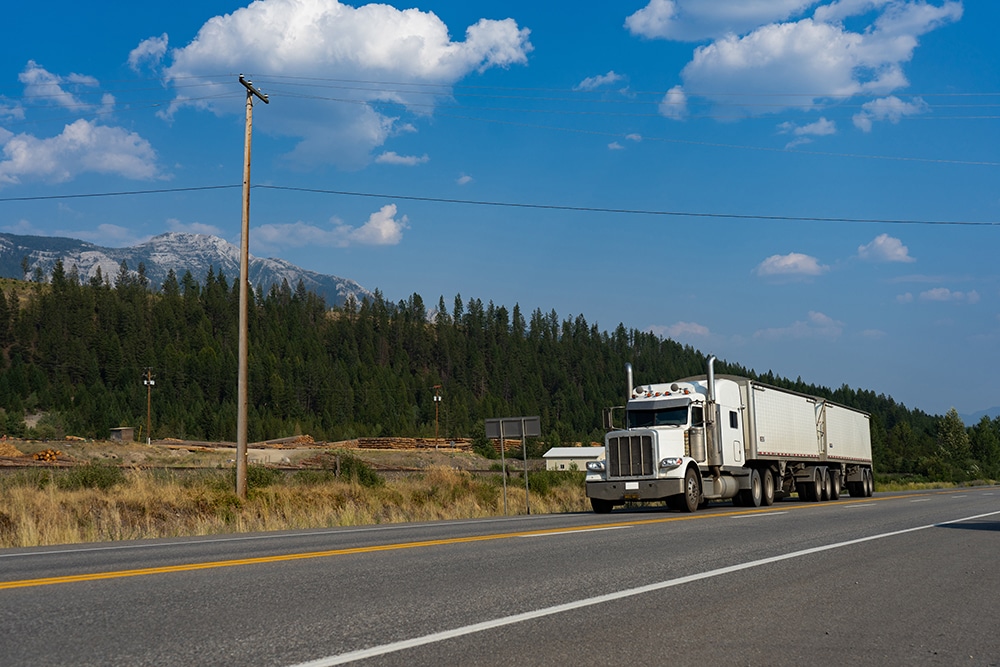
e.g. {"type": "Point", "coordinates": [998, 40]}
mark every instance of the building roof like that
{"type": "Point", "coordinates": [573, 452]}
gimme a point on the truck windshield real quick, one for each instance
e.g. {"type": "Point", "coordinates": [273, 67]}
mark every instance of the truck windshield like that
{"type": "Point", "coordinates": [663, 417]}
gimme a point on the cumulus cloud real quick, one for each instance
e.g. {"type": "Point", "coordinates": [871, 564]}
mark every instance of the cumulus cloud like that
{"type": "Point", "coordinates": [792, 264]}
{"type": "Point", "coordinates": [674, 103]}
{"type": "Point", "coordinates": [149, 52]}
{"type": "Point", "coordinates": [594, 82]}
{"type": "Point", "coordinates": [391, 157]}
{"type": "Point", "coordinates": [615, 146]}
{"type": "Point", "coordinates": [889, 108]}
{"type": "Point", "coordinates": [696, 20]}
{"type": "Point", "coordinates": [816, 325]}
{"type": "Point", "coordinates": [464, 179]}
{"type": "Point", "coordinates": [329, 40]}
{"type": "Point", "coordinates": [383, 227]}
{"type": "Point", "coordinates": [885, 248]}
{"type": "Point", "coordinates": [945, 294]}
{"type": "Point", "coordinates": [766, 49]}
{"type": "Point", "coordinates": [681, 330]}
{"type": "Point", "coordinates": [83, 146]}
{"type": "Point", "coordinates": [175, 225]}
{"type": "Point", "coordinates": [803, 133]}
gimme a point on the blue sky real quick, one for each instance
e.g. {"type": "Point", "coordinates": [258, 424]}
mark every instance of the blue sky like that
{"type": "Point", "coordinates": [818, 146]}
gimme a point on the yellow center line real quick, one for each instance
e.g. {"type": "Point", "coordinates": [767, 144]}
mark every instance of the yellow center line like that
{"type": "Point", "coordinates": [190, 567]}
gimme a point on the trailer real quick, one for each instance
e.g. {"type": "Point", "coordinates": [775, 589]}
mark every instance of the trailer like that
{"type": "Point", "coordinates": [729, 437]}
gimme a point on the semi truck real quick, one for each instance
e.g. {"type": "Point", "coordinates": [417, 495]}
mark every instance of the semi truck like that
{"type": "Point", "coordinates": [708, 438]}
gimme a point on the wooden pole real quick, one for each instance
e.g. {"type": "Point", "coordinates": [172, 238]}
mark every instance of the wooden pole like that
{"type": "Point", "coordinates": [241, 392]}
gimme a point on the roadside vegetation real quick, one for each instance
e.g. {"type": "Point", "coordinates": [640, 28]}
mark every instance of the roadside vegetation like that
{"type": "Point", "coordinates": [103, 502]}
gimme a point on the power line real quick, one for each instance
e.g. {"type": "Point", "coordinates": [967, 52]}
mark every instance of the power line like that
{"type": "Point", "coordinates": [520, 205]}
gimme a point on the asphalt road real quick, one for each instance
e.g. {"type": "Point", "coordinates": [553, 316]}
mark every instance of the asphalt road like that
{"type": "Point", "coordinates": [897, 579]}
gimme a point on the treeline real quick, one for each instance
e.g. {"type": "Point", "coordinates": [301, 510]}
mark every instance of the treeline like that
{"type": "Point", "coordinates": [78, 352]}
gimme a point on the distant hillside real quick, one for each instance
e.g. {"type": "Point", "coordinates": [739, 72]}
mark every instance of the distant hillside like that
{"type": "Point", "coordinates": [975, 417]}
{"type": "Point", "coordinates": [181, 252]}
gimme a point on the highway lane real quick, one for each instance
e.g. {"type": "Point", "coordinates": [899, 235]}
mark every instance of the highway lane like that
{"type": "Point", "coordinates": [732, 587]}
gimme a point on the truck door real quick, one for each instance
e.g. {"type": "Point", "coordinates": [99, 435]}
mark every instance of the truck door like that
{"type": "Point", "coordinates": [732, 435]}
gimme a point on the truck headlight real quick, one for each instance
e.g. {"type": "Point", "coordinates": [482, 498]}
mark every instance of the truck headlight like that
{"type": "Point", "coordinates": [671, 462]}
{"type": "Point", "coordinates": [595, 466]}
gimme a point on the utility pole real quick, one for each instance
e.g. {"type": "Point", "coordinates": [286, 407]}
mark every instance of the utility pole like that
{"type": "Point", "coordinates": [241, 394]}
{"type": "Point", "coordinates": [149, 403]}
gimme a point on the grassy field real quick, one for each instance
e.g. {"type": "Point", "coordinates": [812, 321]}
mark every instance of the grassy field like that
{"type": "Point", "coordinates": [111, 498]}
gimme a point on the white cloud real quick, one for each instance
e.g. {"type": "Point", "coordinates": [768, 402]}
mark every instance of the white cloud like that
{"type": "Point", "coordinates": [615, 146]}
{"type": "Point", "coordinates": [114, 236]}
{"type": "Point", "coordinates": [44, 87]}
{"type": "Point", "coordinates": [889, 108]}
{"type": "Point", "coordinates": [681, 330]}
{"type": "Point", "coordinates": [391, 157]}
{"type": "Point", "coordinates": [83, 146]}
{"type": "Point", "coordinates": [175, 225]}
{"type": "Point", "coordinates": [906, 297]}
{"type": "Point", "coordinates": [767, 49]}
{"type": "Point", "coordinates": [817, 325]}
{"type": "Point", "coordinates": [945, 294]}
{"type": "Point", "coordinates": [150, 51]}
{"type": "Point", "coordinates": [465, 179]}
{"type": "Point", "coordinates": [329, 40]}
{"type": "Point", "coordinates": [885, 248]}
{"type": "Point", "coordinates": [792, 264]}
{"type": "Point", "coordinates": [696, 20]}
{"type": "Point", "coordinates": [593, 82]}
{"type": "Point", "coordinates": [674, 103]}
{"type": "Point", "coordinates": [803, 133]}
{"type": "Point", "coordinates": [382, 228]}
{"type": "Point", "coordinates": [634, 137]}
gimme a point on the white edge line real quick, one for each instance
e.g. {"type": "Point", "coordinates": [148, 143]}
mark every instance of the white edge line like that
{"type": "Point", "coordinates": [573, 532]}
{"type": "Point", "coordinates": [374, 651]}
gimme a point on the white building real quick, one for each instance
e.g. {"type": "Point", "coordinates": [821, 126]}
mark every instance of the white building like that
{"type": "Point", "coordinates": [572, 458]}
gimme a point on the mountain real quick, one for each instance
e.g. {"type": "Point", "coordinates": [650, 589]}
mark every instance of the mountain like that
{"type": "Point", "coordinates": [974, 418]}
{"type": "Point", "coordinates": [181, 252]}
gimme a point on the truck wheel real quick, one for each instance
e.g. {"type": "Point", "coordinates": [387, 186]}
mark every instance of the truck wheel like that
{"type": "Point", "coordinates": [869, 483]}
{"type": "Point", "coordinates": [755, 492]}
{"type": "Point", "coordinates": [767, 488]}
{"type": "Point", "coordinates": [824, 484]}
{"type": "Point", "coordinates": [601, 506]}
{"type": "Point", "coordinates": [692, 490]}
{"type": "Point", "coordinates": [834, 485]}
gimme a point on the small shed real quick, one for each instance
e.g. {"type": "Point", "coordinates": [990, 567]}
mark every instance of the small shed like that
{"type": "Point", "coordinates": [571, 458]}
{"type": "Point", "coordinates": [123, 433]}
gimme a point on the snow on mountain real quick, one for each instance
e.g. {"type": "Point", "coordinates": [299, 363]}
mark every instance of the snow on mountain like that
{"type": "Point", "coordinates": [22, 256]}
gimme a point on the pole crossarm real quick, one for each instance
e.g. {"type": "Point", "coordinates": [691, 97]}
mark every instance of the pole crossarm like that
{"type": "Point", "coordinates": [252, 89]}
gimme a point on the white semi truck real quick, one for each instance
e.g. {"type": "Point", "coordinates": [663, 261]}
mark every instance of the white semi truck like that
{"type": "Point", "coordinates": [711, 438]}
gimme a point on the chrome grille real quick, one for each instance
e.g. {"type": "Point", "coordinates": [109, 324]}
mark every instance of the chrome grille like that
{"type": "Point", "coordinates": [630, 456]}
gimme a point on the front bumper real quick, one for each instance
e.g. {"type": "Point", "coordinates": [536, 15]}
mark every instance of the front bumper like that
{"type": "Point", "coordinates": [642, 489]}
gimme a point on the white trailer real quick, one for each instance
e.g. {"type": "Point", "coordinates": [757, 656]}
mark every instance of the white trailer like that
{"type": "Point", "coordinates": [706, 437]}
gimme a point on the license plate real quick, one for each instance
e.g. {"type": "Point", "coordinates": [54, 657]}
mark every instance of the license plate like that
{"type": "Point", "coordinates": [631, 486]}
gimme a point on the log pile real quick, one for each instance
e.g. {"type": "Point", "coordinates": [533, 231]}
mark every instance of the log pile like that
{"type": "Point", "coordinates": [9, 450]}
{"type": "Point", "coordinates": [47, 455]}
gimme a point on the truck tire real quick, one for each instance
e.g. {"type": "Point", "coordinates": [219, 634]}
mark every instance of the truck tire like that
{"type": "Point", "coordinates": [834, 485]}
{"type": "Point", "coordinates": [869, 483]}
{"type": "Point", "coordinates": [824, 484]}
{"type": "Point", "coordinates": [767, 488]}
{"type": "Point", "coordinates": [812, 490]}
{"type": "Point", "coordinates": [601, 506]}
{"type": "Point", "coordinates": [752, 497]}
{"type": "Point", "coordinates": [692, 490]}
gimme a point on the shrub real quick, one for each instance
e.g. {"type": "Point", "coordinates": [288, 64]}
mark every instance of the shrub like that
{"type": "Point", "coordinates": [91, 476]}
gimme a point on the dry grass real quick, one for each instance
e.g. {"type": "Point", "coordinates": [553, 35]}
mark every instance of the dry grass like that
{"type": "Point", "coordinates": [42, 507]}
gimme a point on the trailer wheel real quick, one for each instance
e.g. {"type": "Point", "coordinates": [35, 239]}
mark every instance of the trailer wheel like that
{"type": "Point", "coordinates": [834, 485]}
{"type": "Point", "coordinates": [601, 506]}
{"type": "Point", "coordinates": [767, 488]}
{"type": "Point", "coordinates": [692, 490]}
{"type": "Point", "coordinates": [869, 483]}
{"type": "Point", "coordinates": [825, 492]}
{"type": "Point", "coordinates": [812, 490]}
